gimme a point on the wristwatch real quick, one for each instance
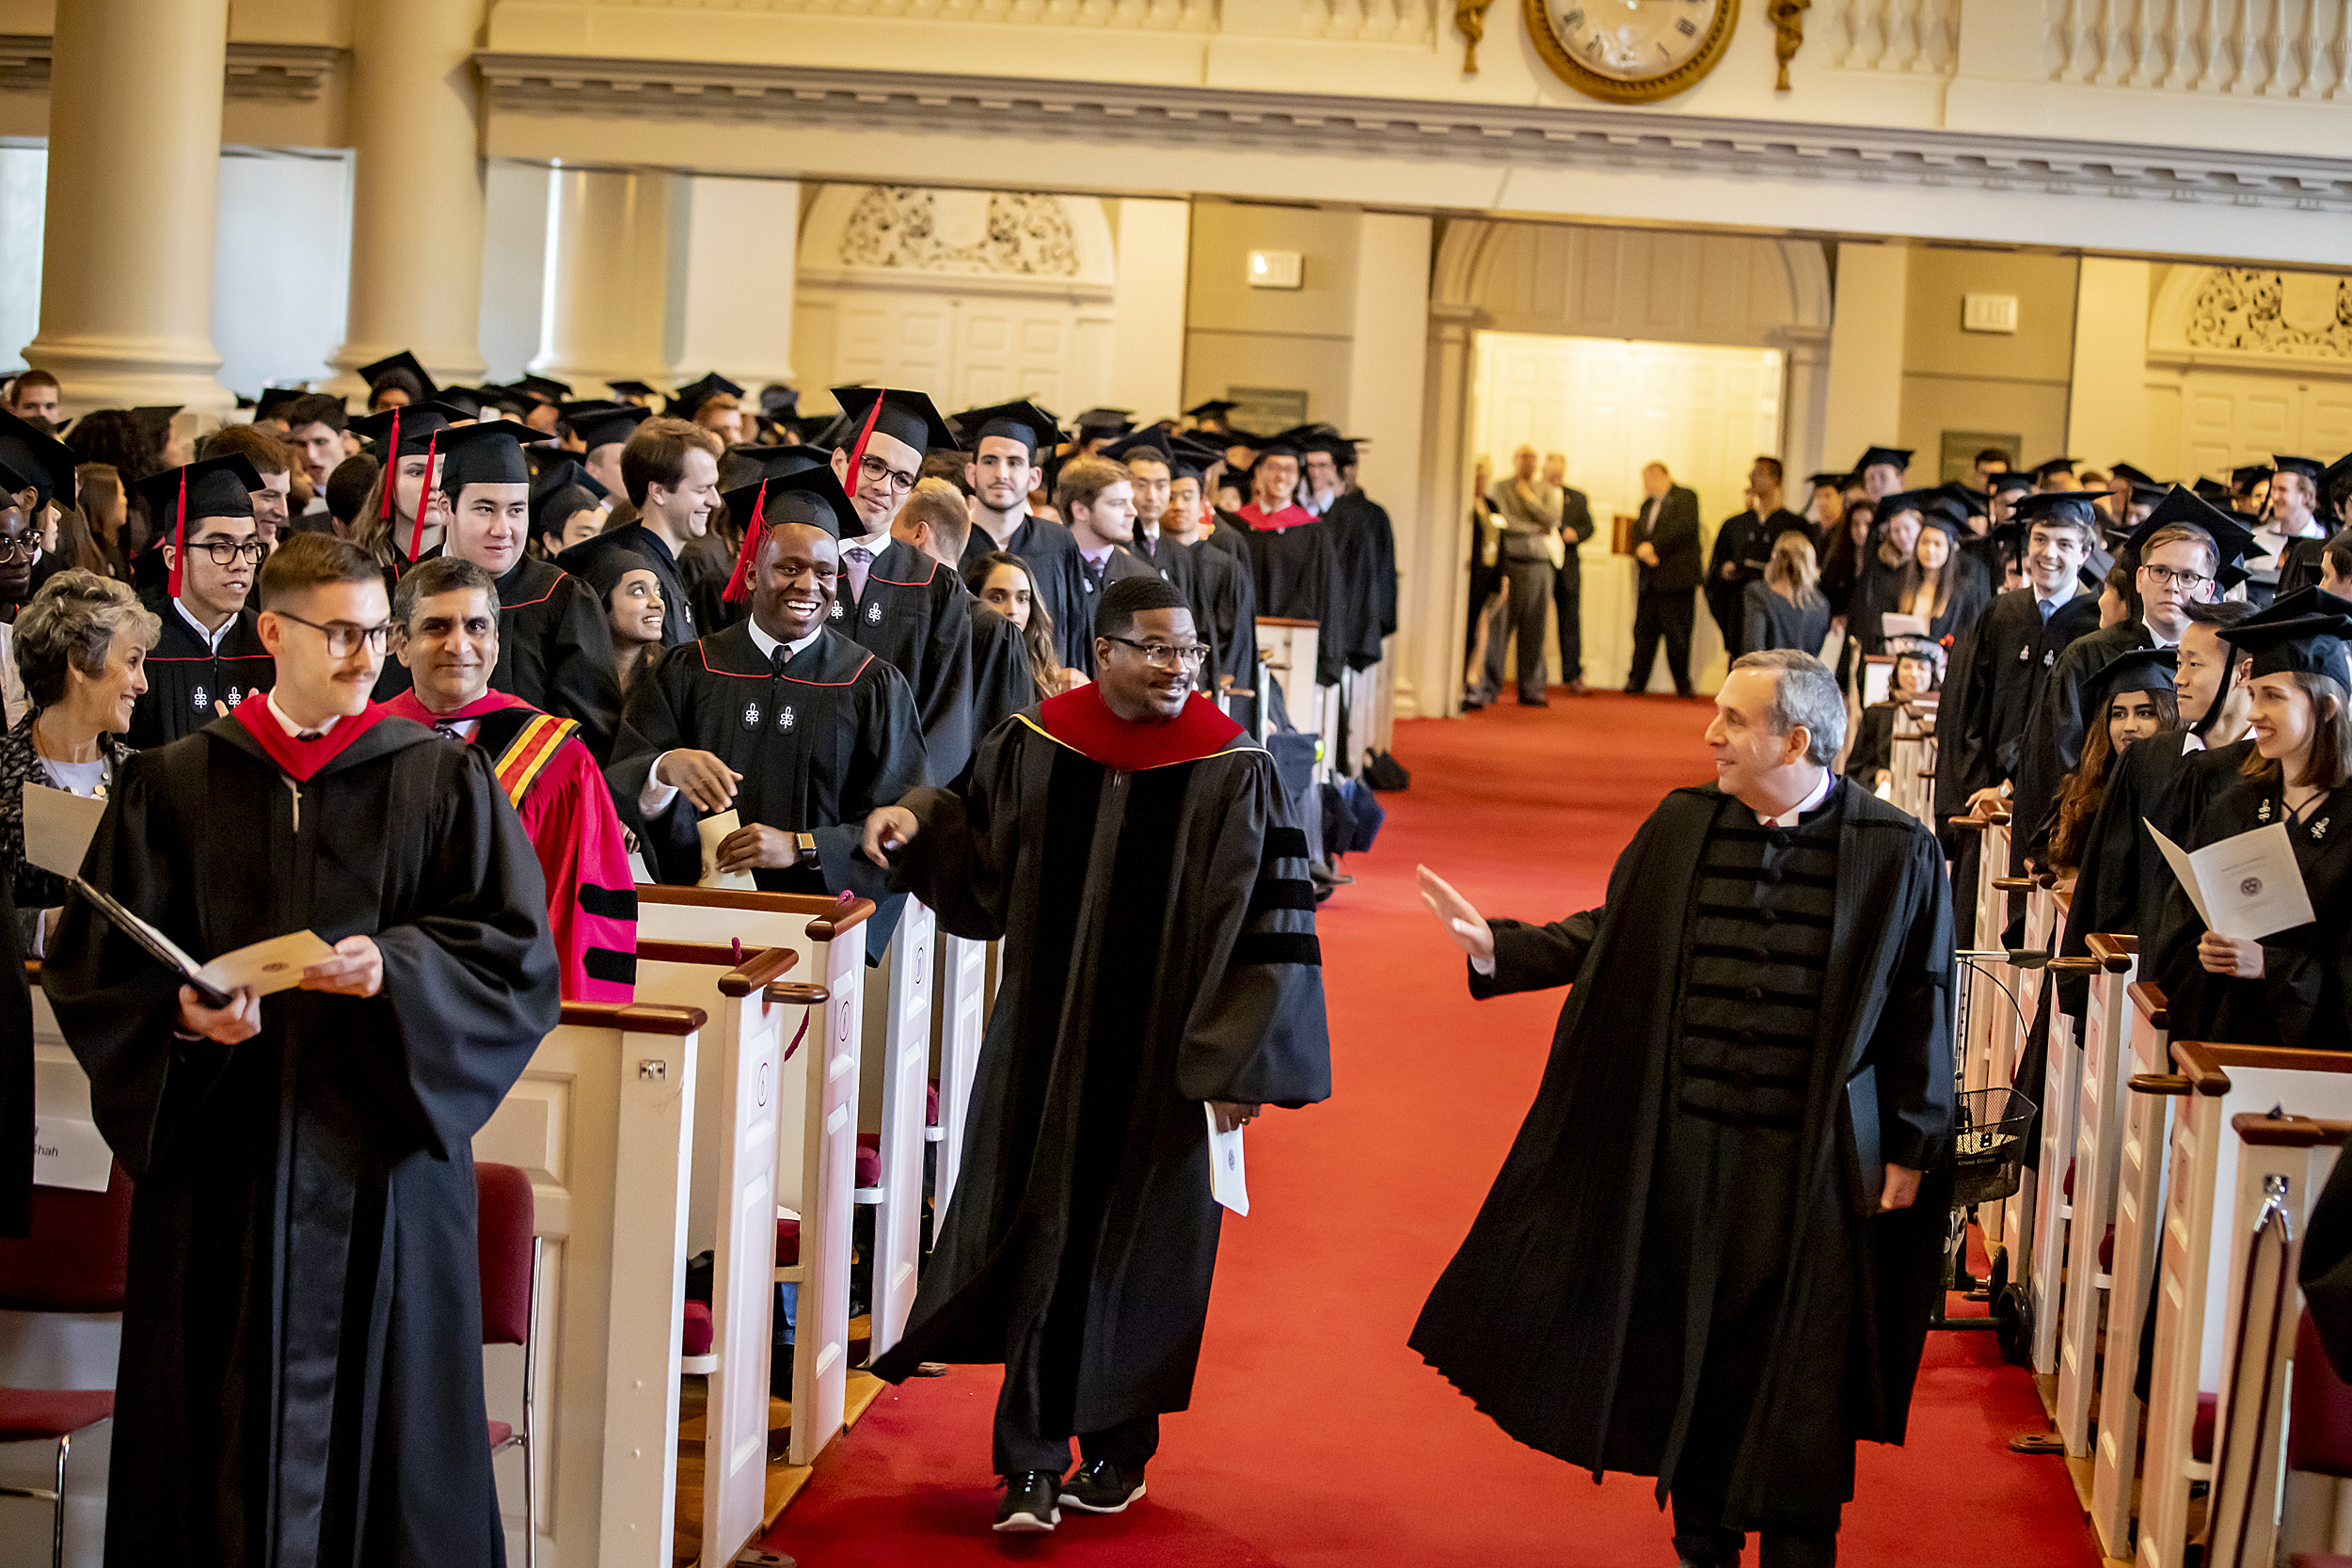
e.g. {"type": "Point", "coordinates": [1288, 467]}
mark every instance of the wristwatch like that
{"type": "Point", "coordinates": [804, 847]}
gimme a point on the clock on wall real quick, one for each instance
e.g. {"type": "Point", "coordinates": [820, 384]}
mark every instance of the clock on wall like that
{"type": "Point", "coordinates": [1631, 51]}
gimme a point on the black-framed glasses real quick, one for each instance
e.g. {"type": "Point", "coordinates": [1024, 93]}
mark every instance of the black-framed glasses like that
{"type": "Point", "coordinates": [2166, 576]}
{"type": "Point", "coordinates": [342, 637]}
{"type": "Point", "coordinates": [223, 551]}
{"type": "Point", "coordinates": [1169, 655]}
{"type": "Point", "coordinates": [876, 471]}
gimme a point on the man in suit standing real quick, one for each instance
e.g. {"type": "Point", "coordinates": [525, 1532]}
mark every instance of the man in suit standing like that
{"type": "Point", "coordinates": [1530, 513]}
{"type": "Point", "coordinates": [1666, 544]}
{"type": "Point", "coordinates": [1567, 583]}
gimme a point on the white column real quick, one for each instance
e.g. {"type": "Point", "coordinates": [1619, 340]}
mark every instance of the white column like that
{"type": "Point", "coordinates": [1804, 403]}
{"type": "Point", "coordinates": [416, 222]}
{"type": "Point", "coordinates": [734, 300]}
{"type": "Point", "coordinates": [2107, 406]}
{"type": "Point", "coordinates": [1386, 394]}
{"type": "Point", "coordinates": [607, 288]}
{"type": "Point", "coordinates": [1865, 402]}
{"type": "Point", "coordinates": [1434, 557]}
{"type": "Point", "coordinates": [1146, 372]}
{"type": "Point", "coordinates": [135, 95]}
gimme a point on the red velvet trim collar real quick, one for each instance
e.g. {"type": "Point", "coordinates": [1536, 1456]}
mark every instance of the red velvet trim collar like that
{"type": "Point", "coordinates": [1289, 516]}
{"type": "Point", "coordinates": [301, 759]}
{"type": "Point", "coordinates": [1081, 721]}
{"type": "Point", "coordinates": [405, 705]}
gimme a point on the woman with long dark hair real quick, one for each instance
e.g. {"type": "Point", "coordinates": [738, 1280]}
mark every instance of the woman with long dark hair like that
{"type": "Point", "coordinates": [1002, 581]}
{"type": "Point", "coordinates": [1941, 585]}
{"type": "Point", "coordinates": [2133, 700]}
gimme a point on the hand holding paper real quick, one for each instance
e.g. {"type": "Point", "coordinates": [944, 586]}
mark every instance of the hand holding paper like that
{"type": "Point", "coordinates": [715, 830]}
{"type": "Point", "coordinates": [1229, 1175]}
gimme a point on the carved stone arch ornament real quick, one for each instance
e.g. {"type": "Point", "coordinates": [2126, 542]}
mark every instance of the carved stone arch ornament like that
{"type": "Point", "coordinates": [1014, 239]}
{"type": "Point", "coordinates": [2253, 318]}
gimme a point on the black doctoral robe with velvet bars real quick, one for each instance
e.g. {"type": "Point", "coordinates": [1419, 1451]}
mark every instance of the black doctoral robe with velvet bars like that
{"type": "Point", "coordinates": [819, 745]}
{"type": "Point", "coordinates": [1532, 1318]}
{"type": "Point", "coordinates": [301, 1372]}
{"type": "Point", "coordinates": [1159, 952]}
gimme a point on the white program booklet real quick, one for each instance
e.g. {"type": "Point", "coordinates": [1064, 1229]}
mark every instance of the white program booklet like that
{"type": "Point", "coordinates": [58, 826]}
{"type": "Point", "coordinates": [69, 1152]}
{"type": "Point", "coordinates": [2247, 886]}
{"type": "Point", "coordinates": [1228, 1174]}
{"type": "Point", "coordinates": [269, 966]}
{"type": "Point", "coordinates": [713, 829]}
{"type": "Point", "coordinates": [1891, 624]}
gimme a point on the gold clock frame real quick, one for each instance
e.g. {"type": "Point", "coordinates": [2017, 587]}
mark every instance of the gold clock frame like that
{"type": "Point", "coordinates": [1646, 91]}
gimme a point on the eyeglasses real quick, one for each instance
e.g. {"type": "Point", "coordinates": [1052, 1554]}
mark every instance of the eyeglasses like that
{"type": "Point", "coordinates": [22, 548]}
{"type": "Point", "coordinates": [1168, 655]}
{"type": "Point", "coordinates": [342, 638]}
{"type": "Point", "coordinates": [876, 471]}
{"type": "Point", "coordinates": [223, 551]}
{"type": "Point", "coordinates": [2168, 577]}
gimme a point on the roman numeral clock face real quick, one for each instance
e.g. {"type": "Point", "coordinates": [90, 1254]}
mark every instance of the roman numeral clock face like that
{"type": "Point", "coordinates": [1631, 51]}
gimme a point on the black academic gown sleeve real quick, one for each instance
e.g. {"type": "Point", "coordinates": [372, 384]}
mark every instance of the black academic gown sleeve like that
{"type": "Point", "coordinates": [1002, 685]}
{"type": "Point", "coordinates": [16, 1078]}
{"type": "Point", "coordinates": [2325, 1271]}
{"type": "Point", "coordinates": [555, 652]}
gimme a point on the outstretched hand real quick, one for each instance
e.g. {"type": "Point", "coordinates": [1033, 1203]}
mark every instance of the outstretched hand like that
{"type": "Point", "coordinates": [1463, 922]}
{"type": "Point", "coordinates": [889, 829]}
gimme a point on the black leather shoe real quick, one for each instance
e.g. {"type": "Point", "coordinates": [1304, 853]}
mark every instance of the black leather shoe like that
{"type": "Point", "coordinates": [1029, 1505]}
{"type": "Point", "coordinates": [1100, 1486]}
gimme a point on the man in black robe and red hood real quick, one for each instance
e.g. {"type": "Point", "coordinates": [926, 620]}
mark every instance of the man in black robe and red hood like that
{"type": "Point", "coordinates": [1130, 845]}
{"type": "Point", "coordinates": [301, 1370]}
{"type": "Point", "coordinates": [1713, 1251]}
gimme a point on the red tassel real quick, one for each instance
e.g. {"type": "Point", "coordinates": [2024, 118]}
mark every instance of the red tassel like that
{"type": "Point", "coordinates": [425, 496]}
{"type": "Point", "coordinates": [391, 467]}
{"type": "Point", "coordinates": [180, 537]}
{"type": "Point", "coordinates": [739, 585]}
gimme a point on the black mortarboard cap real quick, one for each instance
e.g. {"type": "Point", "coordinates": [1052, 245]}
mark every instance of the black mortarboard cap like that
{"type": "Point", "coordinates": [905, 416]}
{"type": "Point", "coordinates": [2247, 475]}
{"type": "Point", "coordinates": [558, 489]}
{"type": "Point", "coordinates": [274, 398]}
{"type": "Point", "coordinates": [2232, 539]}
{"type": "Point", "coordinates": [2049, 466]}
{"type": "Point", "coordinates": [1014, 422]}
{"type": "Point", "coordinates": [2212, 490]}
{"type": "Point", "coordinates": [155, 419]}
{"type": "Point", "coordinates": [2095, 568]}
{"type": "Point", "coordinates": [2135, 475]}
{"type": "Point", "coordinates": [600, 422]}
{"type": "Point", "coordinates": [1104, 422]}
{"type": "Point", "coordinates": [1835, 481]}
{"type": "Point", "coordinates": [546, 389]}
{"type": "Point", "coordinates": [1934, 506]}
{"type": "Point", "coordinates": [691, 396]}
{"type": "Point", "coordinates": [2137, 669]}
{"type": "Point", "coordinates": [604, 569]}
{"type": "Point", "coordinates": [2071, 506]}
{"type": "Point", "coordinates": [632, 390]}
{"type": "Point", "coordinates": [1151, 442]}
{"type": "Point", "coordinates": [810, 495]}
{"type": "Point", "coordinates": [2011, 478]}
{"type": "Point", "coordinates": [1213, 408]}
{"type": "Point", "coordinates": [46, 463]}
{"type": "Point", "coordinates": [2147, 493]}
{"type": "Point", "coordinates": [489, 453]}
{"type": "Point", "coordinates": [403, 360]}
{"type": "Point", "coordinates": [2301, 633]}
{"type": "Point", "coordinates": [1193, 456]}
{"type": "Point", "coordinates": [219, 486]}
{"type": "Point", "coordinates": [777, 400]}
{"type": "Point", "coordinates": [418, 423]}
{"type": "Point", "coordinates": [545, 457]}
{"type": "Point", "coordinates": [1873, 456]}
{"type": "Point", "coordinates": [744, 466]}
{"type": "Point", "coordinates": [2310, 467]}
{"type": "Point", "coordinates": [1973, 502]}
{"type": "Point", "coordinates": [487, 401]}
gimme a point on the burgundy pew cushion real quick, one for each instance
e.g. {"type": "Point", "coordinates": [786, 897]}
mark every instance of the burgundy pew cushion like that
{"type": "Point", "coordinates": [930, 1106]}
{"type": "Point", "coordinates": [2069, 1189]}
{"type": "Point", "coordinates": [788, 1243]}
{"type": "Point", "coordinates": [2200, 1435]}
{"type": "Point", "coordinates": [2319, 1420]}
{"type": "Point", "coordinates": [2106, 1251]}
{"type": "Point", "coordinates": [32, 1415]}
{"type": "Point", "coordinates": [695, 1340]}
{"type": "Point", "coordinates": [2319, 1560]}
{"type": "Point", "coordinates": [869, 1160]}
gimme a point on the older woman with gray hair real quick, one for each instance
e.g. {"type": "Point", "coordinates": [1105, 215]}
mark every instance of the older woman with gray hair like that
{"type": "Point", "coordinates": [1712, 1255]}
{"type": "Point", "coordinates": [81, 646]}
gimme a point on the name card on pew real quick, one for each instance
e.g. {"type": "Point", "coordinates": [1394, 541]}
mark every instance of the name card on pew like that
{"type": "Point", "coordinates": [70, 1152]}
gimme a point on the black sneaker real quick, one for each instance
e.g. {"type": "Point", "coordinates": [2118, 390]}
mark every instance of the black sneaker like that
{"type": "Point", "coordinates": [1028, 1505]}
{"type": "Point", "coordinates": [1100, 1486]}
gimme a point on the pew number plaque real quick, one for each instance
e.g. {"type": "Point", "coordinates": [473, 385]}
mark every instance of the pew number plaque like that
{"type": "Point", "coordinates": [1631, 51]}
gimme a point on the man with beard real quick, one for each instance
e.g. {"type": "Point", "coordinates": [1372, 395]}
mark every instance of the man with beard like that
{"type": "Point", "coordinates": [1711, 1255]}
{"type": "Point", "coordinates": [1008, 441]}
{"type": "Point", "coordinates": [1130, 849]}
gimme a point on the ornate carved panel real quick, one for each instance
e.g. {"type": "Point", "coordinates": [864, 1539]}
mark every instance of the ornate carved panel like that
{"type": "Point", "coordinates": [2298, 315]}
{"type": "Point", "coordinates": [1015, 233]}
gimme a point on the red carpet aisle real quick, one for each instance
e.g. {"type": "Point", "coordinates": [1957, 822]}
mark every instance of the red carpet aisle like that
{"type": "Point", "coordinates": [1315, 1436]}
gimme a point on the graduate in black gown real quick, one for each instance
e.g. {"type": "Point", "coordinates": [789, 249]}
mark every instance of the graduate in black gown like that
{"type": "Point", "coordinates": [1918, 673]}
{"type": "Point", "coordinates": [1096, 498]}
{"type": "Point", "coordinates": [1711, 1255]}
{"type": "Point", "coordinates": [891, 597]}
{"type": "Point", "coordinates": [2292, 987]}
{"type": "Point", "coordinates": [936, 521]}
{"type": "Point", "coordinates": [16, 1076]}
{"type": "Point", "coordinates": [1224, 586]}
{"type": "Point", "coordinates": [1296, 563]}
{"type": "Point", "coordinates": [1131, 847]}
{"type": "Point", "coordinates": [670, 469]}
{"type": "Point", "coordinates": [301, 1369]}
{"type": "Point", "coordinates": [555, 645]}
{"type": "Point", "coordinates": [795, 727]}
{"type": "Point", "coordinates": [209, 656]}
{"type": "Point", "coordinates": [1009, 442]}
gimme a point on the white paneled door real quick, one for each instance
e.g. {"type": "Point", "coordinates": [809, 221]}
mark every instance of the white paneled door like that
{"type": "Point", "coordinates": [1610, 406]}
{"type": "Point", "coordinates": [2229, 418]}
{"type": "Point", "coordinates": [965, 347]}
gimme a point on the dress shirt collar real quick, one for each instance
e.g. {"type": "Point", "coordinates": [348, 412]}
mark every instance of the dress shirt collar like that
{"type": "Point", "coordinates": [212, 638]}
{"type": "Point", "coordinates": [1096, 558]}
{"type": "Point", "coordinates": [293, 729]}
{"type": "Point", "coordinates": [768, 646]}
{"type": "Point", "coordinates": [1789, 818]}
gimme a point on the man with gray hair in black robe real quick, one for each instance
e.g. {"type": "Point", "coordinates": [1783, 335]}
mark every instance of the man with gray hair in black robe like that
{"type": "Point", "coordinates": [1712, 1252]}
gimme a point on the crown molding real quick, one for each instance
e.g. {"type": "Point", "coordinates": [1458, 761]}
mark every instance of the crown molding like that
{"type": "Point", "coordinates": [265, 72]}
{"type": "Point", "coordinates": [1301, 124]}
